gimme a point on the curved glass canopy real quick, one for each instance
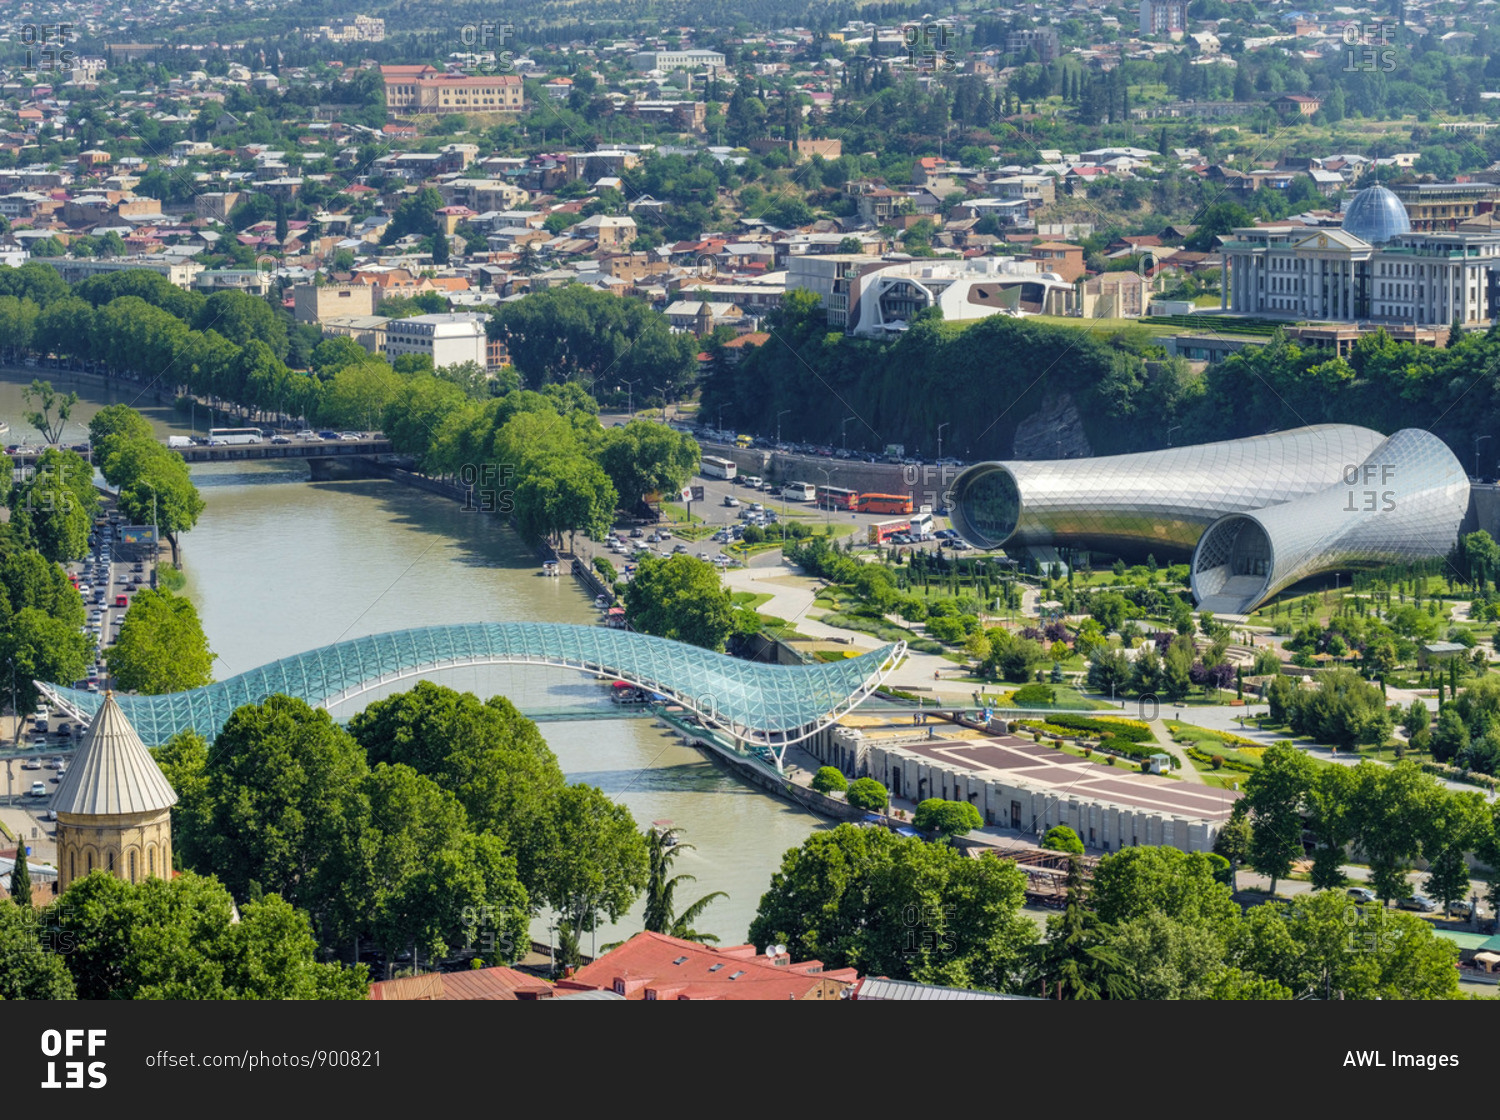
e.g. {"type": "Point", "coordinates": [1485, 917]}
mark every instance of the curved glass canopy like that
{"type": "Point", "coordinates": [768, 705]}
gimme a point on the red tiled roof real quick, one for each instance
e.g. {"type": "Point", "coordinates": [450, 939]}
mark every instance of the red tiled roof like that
{"type": "Point", "coordinates": [671, 968]}
{"type": "Point", "coordinates": [479, 983]}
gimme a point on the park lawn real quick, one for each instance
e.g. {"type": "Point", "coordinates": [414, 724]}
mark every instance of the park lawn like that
{"type": "Point", "coordinates": [751, 599]}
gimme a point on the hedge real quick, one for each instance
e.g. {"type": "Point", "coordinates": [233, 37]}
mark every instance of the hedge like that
{"type": "Point", "coordinates": [1199, 755]}
{"type": "Point", "coordinates": [1129, 729]}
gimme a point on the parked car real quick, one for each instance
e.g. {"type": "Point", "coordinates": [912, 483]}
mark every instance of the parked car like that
{"type": "Point", "coordinates": [1419, 902]}
{"type": "Point", "coordinates": [731, 501]}
{"type": "Point", "coordinates": [32, 764]}
{"type": "Point", "coordinates": [281, 439]}
{"type": "Point", "coordinates": [1361, 895]}
{"type": "Point", "coordinates": [38, 789]}
{"type": "Point", "coordinates": [1464, 910]}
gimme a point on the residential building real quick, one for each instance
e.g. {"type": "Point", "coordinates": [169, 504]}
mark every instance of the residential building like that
{"type": "Point", "coordinates": [179, 272]}
{"type": "Point", "coordinates": [1163, 17]}
{"type": "Point", "coordinates": [448, 339]}
{"type": "Point", "coordinates": [1296, 104]}
{"type": "Point", "coordinates": [313, 303]}
{"type": "Point", "coordinates": [1041, 40]}
{"type": "Point", "coordinates": [367, 330]}
{"type": "Point", "coordinates": [256, 281]}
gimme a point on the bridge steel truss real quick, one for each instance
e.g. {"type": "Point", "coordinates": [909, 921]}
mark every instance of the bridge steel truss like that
{"type": "Point", "coordinates": [757, 705]}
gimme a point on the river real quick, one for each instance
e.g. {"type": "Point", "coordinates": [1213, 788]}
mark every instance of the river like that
{"type": "Point", "coordinates": [278, 565]}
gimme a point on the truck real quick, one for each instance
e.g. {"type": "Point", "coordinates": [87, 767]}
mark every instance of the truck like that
{"type": "Point", "coordinates": [179, 441]}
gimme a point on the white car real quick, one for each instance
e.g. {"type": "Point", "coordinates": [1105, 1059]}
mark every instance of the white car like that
{"type": "Point", "coordinates": [309, 436]}
{"type": "Point", "coordinates": [38, 789]}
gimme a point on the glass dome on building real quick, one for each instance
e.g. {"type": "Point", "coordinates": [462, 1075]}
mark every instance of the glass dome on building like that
{"type": "Point", "coordinates": [1375, 215]}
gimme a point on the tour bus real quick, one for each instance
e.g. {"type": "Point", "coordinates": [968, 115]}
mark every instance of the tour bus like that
{"type": "Point", "coordinates": [799, 492]}
{"type": "Point", "coordinates": [882, 531]}
{"type": "Point", "coordinates": [223, 437]}
{"type": "Point", "coordinates": [714, 467]}
{"type": "Point", "coordinates": [921, 524]}
{"type": "Point", "coordinates": [885, 503]}
{"type": "Point", "coordinates": [836, 497]}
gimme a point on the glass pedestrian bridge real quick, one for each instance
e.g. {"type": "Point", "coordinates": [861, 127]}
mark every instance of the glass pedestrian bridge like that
{"type": "Point", "coordinates": [765, 706]}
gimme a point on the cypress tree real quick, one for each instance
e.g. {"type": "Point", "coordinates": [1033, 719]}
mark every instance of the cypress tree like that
{"type": "Point", "coordinates": [20, 878]}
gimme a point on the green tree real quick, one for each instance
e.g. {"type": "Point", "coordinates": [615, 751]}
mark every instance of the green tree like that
{"type": "Point", "coordinates": [48, 402]}
{"type": "Point", "coordinates": [596, 864]}
{"type": "Point", "coordinates": [829, 779]}
{"type": "Point", "coordinates": [29, 968]}
{"type": "Point", "coordinates": [277, 791]}
{"type": "Point", "coordinates": [868, 794]}
{"type": "Point", "coordinates": [155, 488]}
{"type": "Point", "coordinates": [897, 906]}
{"type": "Point", "coordinates": [663, 847]}
{"type": "Point", "coordinates": [20, 877]}
{"type": "Point", "coordinates": [161, 646]}
{"type": "Point", "coordinates": [54, 508]}
{"type": "Point", "coordinates": [411, 874]}
{"type": "Point", "coordinates": [1152, 880]}
{"type": "Point", "coordinates": [644, 457]}
{"type": "Point", "coordinates": [946, 819]}
{"type": "Point", "coordinates": [177, 939]}
{"type": "Point", "coordinates": [1274, 799]}
{"type": "Point", "coordinates": [492, 758]}
{"type": "Point", "coordinates": [116, 423]}
{"type": "Point", "coordinates": [1076, 959]}
{"type": "Point", "coordinates": [1061, 838]}
{"type": "Point", "coordinates": [679, 597]}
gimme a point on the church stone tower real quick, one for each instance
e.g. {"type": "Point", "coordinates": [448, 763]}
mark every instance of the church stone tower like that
{"type": "Point", "coordinates": [114, 805]}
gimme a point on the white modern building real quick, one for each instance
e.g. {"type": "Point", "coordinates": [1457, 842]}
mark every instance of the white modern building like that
{"type": "Point", "coordinates": [448, 339]}
{"type": "Point", "coordinates": [871, 297]}
{"type": "Point", "coordinates": [1373, 269]}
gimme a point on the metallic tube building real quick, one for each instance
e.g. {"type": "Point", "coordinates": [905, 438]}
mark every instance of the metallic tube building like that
{"type": "Point", "coordinates": [1153, 502]}
{"type": "Point", "coordinates": [1405, 501]}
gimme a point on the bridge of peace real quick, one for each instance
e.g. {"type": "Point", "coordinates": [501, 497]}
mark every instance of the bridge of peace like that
{"type": "Point", "coordinates": [761, 708]}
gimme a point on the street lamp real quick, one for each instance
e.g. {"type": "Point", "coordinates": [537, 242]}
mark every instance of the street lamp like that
{"type": "Point", "coordinates": [630, 398]}
{"type": "Point", "coordinates": [1173, 428]}
{"type": "Point", "coordinates": [779, 415]}
{"type": "Point", "coordinates": [827, 501]}
{"type": "Point", "coordinates": [660, 389]}
{"type": "Point", "coordinates": [944, 424]}
{"type": "Point", "coordinates": [844, 431]}
{"type": "Point", "coordinates": [721, 418]}
{"type": "Point", "coordinates": [1477, 441]}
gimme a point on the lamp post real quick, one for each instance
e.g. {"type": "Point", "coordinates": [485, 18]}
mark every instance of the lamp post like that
{"type": "Point", "coordinates": [827, 501]}
{"type": "Point", "coordinates": [844, 431]}
{"type": "Point", "coordinates": [1173, 428]}
{"type": "Point", "coordinates": [630, 397]}
{"type": "Point", "coordinates": [1477, 441]}
{"type": "Point", "coordinates": [660, 389]}
{"type": "Point", "coordinates": [944, 424]}
{"type": "Point", "coordinates": [779, 415]}
{"type": "Point", "coordinates": [721, 418]}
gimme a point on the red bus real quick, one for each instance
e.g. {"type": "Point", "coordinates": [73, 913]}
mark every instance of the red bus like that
{"type": "Point", "coordinates": [835, 497]}
{"type": "Point", "coordinates": [885, 503]}
{"type": "Point", "coordinates": [882, 531]}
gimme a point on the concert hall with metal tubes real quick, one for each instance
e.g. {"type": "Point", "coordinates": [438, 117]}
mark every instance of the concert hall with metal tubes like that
{"type": "Point", "coordinates": [1255, 515]}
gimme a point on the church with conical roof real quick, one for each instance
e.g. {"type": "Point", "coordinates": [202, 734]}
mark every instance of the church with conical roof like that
{"type": "Point", "coordinates": [113, 805]}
